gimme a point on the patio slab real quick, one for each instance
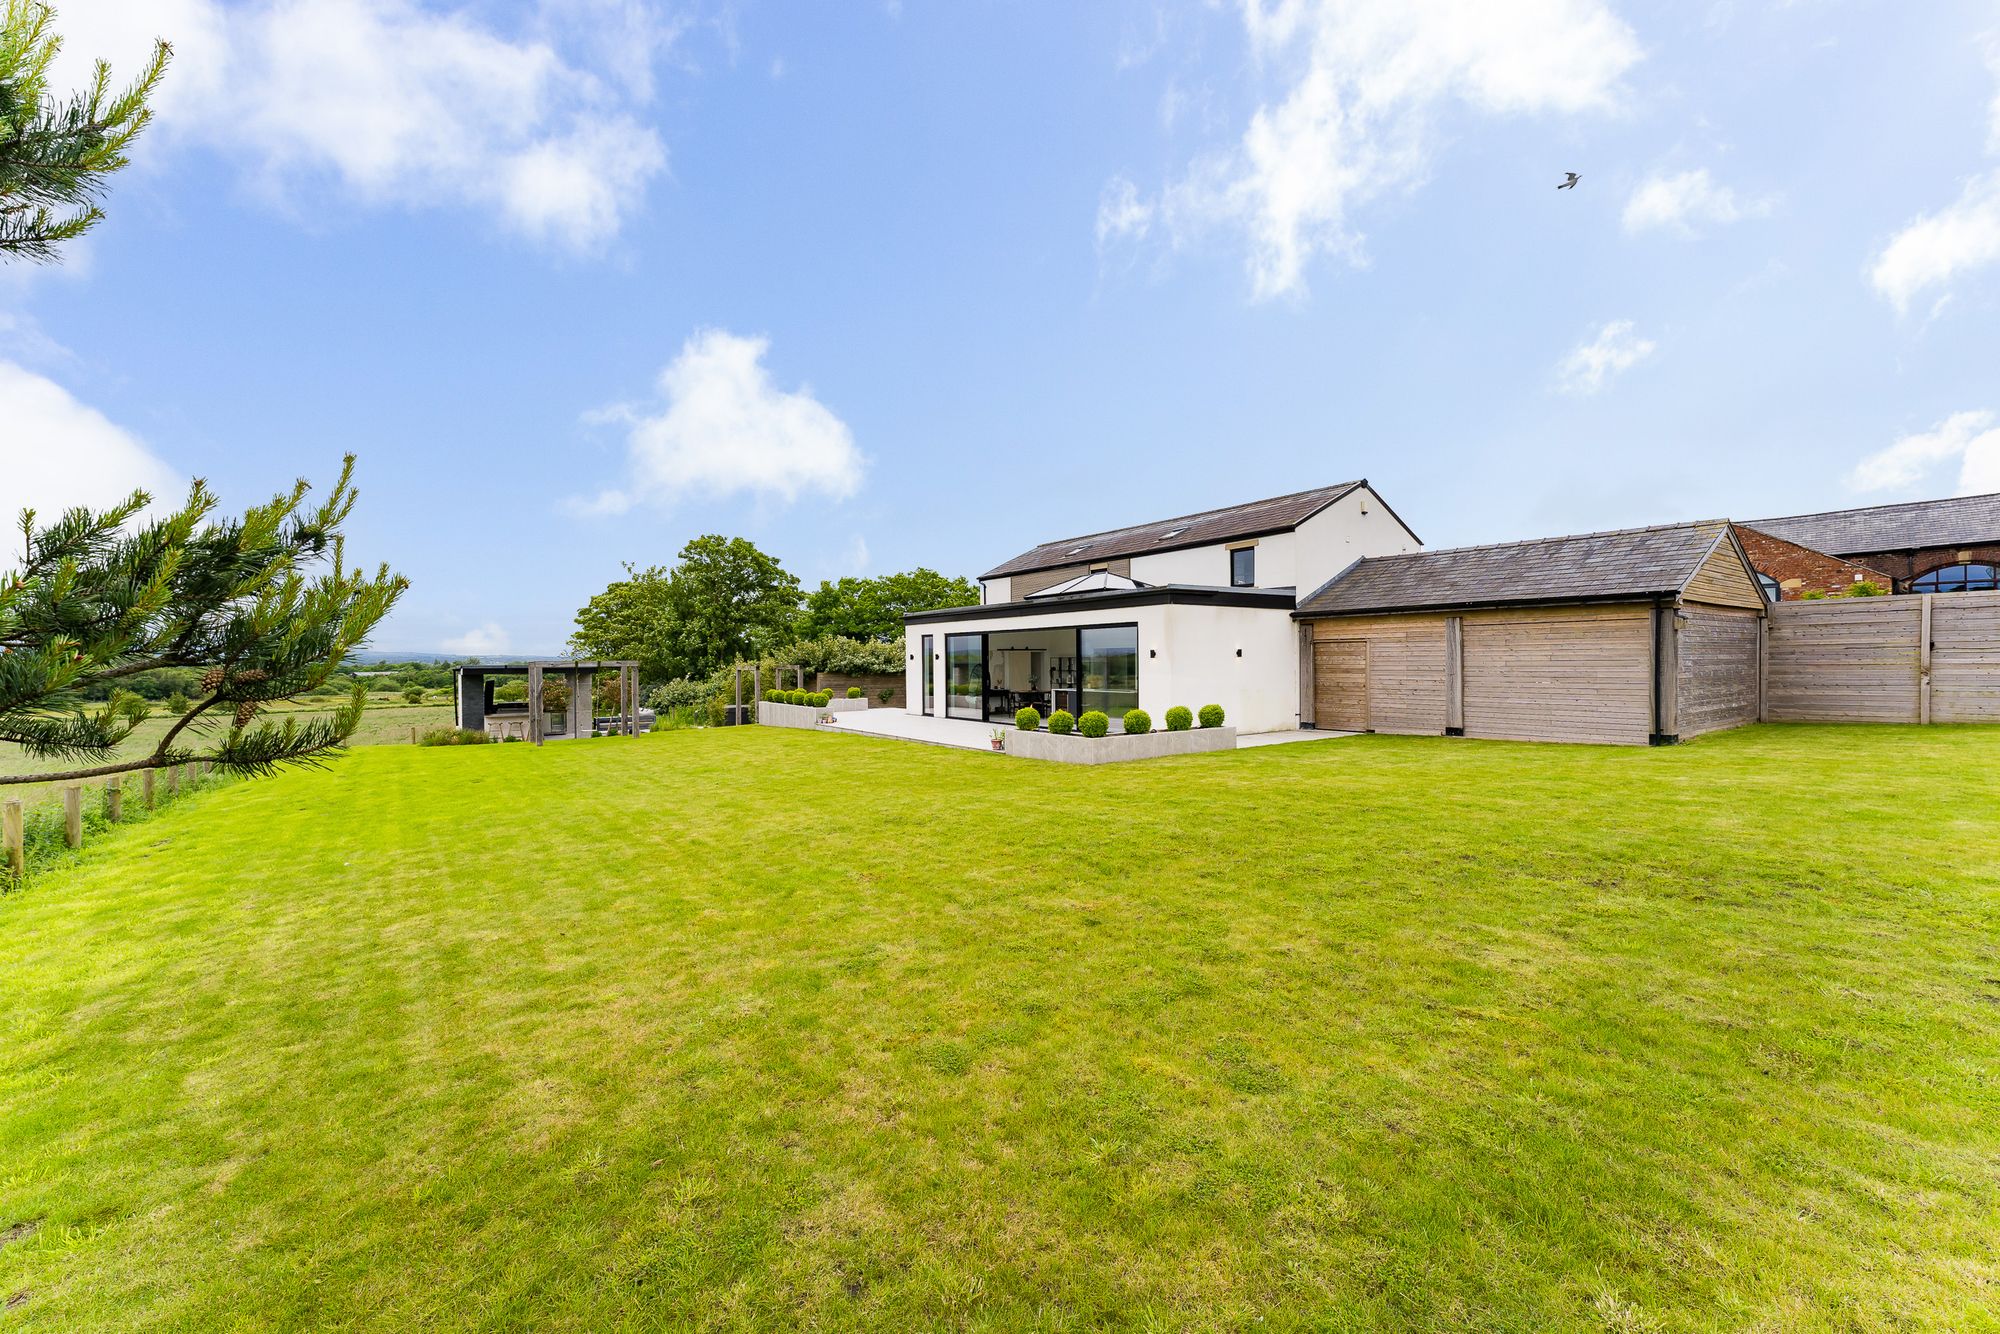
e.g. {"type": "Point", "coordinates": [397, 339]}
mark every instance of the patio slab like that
{"type": "Point", "coordinates": [964, 734]}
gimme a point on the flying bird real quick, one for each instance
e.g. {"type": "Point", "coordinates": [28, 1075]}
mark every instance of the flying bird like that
{"type": "Point", "coordinates": [1569, 184]}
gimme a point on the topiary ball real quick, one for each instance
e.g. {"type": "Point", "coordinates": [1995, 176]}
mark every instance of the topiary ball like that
{"type": "Point", "coordinates": [1093, 723]}
{"type": "Point", "coordinates": [855, 692]}
{"type": "Point", "coordinates": [1062, 722]}
{"type": "Point", "coordinates": [1211, 715]}
{"type": "Point", "coordinates": [1028, 720]}
{"type": "Point", "coordinates": [1138, 722]}
{"type": "Point", "coordinates": [1179, 718]}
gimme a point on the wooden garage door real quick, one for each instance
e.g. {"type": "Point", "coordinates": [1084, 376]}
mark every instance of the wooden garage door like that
{"type": "Point", "coordinates": [1340, 685]}
{"type": "Point", "coordinates": [1579, 674]}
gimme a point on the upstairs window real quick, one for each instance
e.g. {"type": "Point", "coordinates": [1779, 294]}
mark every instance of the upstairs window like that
{"type": "Point", "coordinates": [1243, 567]}
{"type": "Point", "coordinates": [1957, 579]}
{"type": "Point", "coordinates": [1770, 586]}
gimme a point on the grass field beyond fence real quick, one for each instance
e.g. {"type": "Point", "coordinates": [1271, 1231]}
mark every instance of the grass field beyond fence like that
{"type": "Point", "coordinates": [759, 1028]}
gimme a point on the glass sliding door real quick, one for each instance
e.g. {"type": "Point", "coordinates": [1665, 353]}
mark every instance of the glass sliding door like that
{"type": "Point", "coordinates": [929, 666]}
{"type": "Point", "coordinates": [1110, 669]}
{"type": "Point", "coordinates": [965, 677]}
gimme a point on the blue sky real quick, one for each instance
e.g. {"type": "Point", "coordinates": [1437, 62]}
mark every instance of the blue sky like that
{"type": "Point", "coordinates": [880, 285]}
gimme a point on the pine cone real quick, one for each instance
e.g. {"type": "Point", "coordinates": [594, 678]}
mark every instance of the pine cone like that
{"type": "Point", "coordinates": [244, 713]}
{"type": "Point", "coordinates": [210, 680]}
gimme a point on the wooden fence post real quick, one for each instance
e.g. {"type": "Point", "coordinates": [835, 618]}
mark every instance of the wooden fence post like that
{"type": "Point", "coordinates": [535, 703]}
{"type": "Point", "coordinates": [114, 798]}
{"type": "Point", "coordinates": [12, 826]}
{"type": "Point", "coordinates": [146, 788]}
{"type": "Point", "coordinates": [413, 735]}
{"type": "Point", "coordinates": [1924, 662]}
{"type": "Point", "coordinates": [73, 815]}
{"type": "Point", "coordinates": [174, 781]}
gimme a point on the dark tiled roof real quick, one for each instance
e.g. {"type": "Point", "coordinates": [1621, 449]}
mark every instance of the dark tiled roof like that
{"type": "Point", "coordinates": [1276, 515]}
{"type": "Point", "coordinates": [1630, 563]}
{"type": "Point", "coordinates": [1960, 521]}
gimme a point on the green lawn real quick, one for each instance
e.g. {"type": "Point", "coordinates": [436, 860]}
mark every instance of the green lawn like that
{"type": "Point", "coordinates": [763, 1028]}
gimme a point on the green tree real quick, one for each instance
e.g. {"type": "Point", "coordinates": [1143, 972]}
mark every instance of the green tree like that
{"type": "Point", "coordinates": [262, 605]}
{"type": "Point", "coordinates": [730, 600]}
{"type": "Point", "coordinates": [725, 600]}
{"type": "Point", "coordinates": [57, 152]}
{"type": "Point", "coordinates": [857, 608]}
{"type": "Point", "coordinates": [633, 618]}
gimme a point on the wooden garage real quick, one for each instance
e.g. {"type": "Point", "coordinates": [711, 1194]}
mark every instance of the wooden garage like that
{"type": "Point", "coordinates": [1622, 638]}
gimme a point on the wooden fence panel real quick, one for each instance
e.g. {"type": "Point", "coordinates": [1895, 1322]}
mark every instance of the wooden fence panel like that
{"type": "Point", "coordinates": [1868, 660]}
{"type": "Point", "coordinates": [1965, 657]}
{"type": "Point", "coordinates": [1844, 660]}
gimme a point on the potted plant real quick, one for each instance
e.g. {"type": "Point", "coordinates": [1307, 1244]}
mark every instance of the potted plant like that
{"type": "Point", "coordinates": [999, 739]}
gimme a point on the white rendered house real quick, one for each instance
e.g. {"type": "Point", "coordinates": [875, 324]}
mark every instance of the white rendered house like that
{"type": "Point", "coordinates": [1193, 610]}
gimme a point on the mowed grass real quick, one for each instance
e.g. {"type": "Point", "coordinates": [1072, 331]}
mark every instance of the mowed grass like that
{"type": "Point", "coordinates": [762, 1028]}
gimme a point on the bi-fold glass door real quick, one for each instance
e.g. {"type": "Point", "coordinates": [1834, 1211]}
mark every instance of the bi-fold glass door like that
{"type": "Point", "coordinates": [1109, 657]}
{"type": "Point", "coordinates": [965, 677]}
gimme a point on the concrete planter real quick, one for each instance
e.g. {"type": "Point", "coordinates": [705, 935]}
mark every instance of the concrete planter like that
{"type": "Point", "coordinates": [788, 715]}
{"type": "Point", "coordinates": [1113, 749]}
{"type": "Point", "coordinates": [841, 704]}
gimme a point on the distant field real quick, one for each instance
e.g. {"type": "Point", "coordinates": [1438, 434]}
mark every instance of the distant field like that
{"type": "Point", "coordinates": [387, 723]}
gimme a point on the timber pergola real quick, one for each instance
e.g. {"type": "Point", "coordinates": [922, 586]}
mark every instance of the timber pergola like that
{"type": "Point", "coordinates": [476, 710]}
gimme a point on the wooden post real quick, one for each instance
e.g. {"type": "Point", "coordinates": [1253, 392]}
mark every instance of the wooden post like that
{"type": "Point", "coordinates": [413, 734]}
{"type": "Point", "coordinates": [1764, 664]}
{"type": "Point", "coordinates": [1306, 716]}
{"type": "Point", "coordinates": [73, 815]}
{"type": "Point", "coordinates": [174, 781]}
{"type": "Point", "coordinates": [1924, 662]}
{"type": "Point", "coordinates": [14, 830]}
{"type": "Point", "coordinates": [114, 798]}
{"type": "Point", "coordinates": [628, 686]}
{"type": "Point", "coordinates": [535, 702]}
{"type": "Point", "coordinates": [146, 788]}
{"type": "Point", "coordinates": [1454, 675]}
{"type": "Point", "coordinates": [1666, 671]}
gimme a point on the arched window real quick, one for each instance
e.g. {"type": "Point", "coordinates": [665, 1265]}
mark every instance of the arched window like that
{"type": "Point", "coordinates": [1770, 587]}
{"type": "Point", "coordinates": [1957, 579]}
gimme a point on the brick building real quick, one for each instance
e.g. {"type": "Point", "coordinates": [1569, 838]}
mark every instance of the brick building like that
{"type": "Point", "coordinates": [1789, 571]}
{"type": "Point", "coordinates": [1924, 546]}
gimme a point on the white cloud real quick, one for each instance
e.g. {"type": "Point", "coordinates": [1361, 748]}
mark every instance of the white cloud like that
{"type": "Point", "coordinates": [725, 430]}
{"type": "Point", "coordinates": [1614, 350]}
{"type": "Point", "coordinates": [57, 453]}
{"type": "Point", "coordinates": [482, 641]}
{"type": "Point", "coordinates": [1362, 82]}
{"type": "Point", "coordinates": [1971, 439]}
{"type": "Point", "coordinates": [1940, 246]}
{"type": "Point", "coordinates": [1685, 201]}
{"type": "Point", "coordinates": [1121, 214]}
{"type": "Point", "coordinates": [391, 104]}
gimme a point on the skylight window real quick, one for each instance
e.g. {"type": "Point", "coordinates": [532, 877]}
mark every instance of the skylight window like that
{"type": "Point", "coordinates": [1084, 547]}
{"type": "Point", "coordinates": [1171, 532]}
